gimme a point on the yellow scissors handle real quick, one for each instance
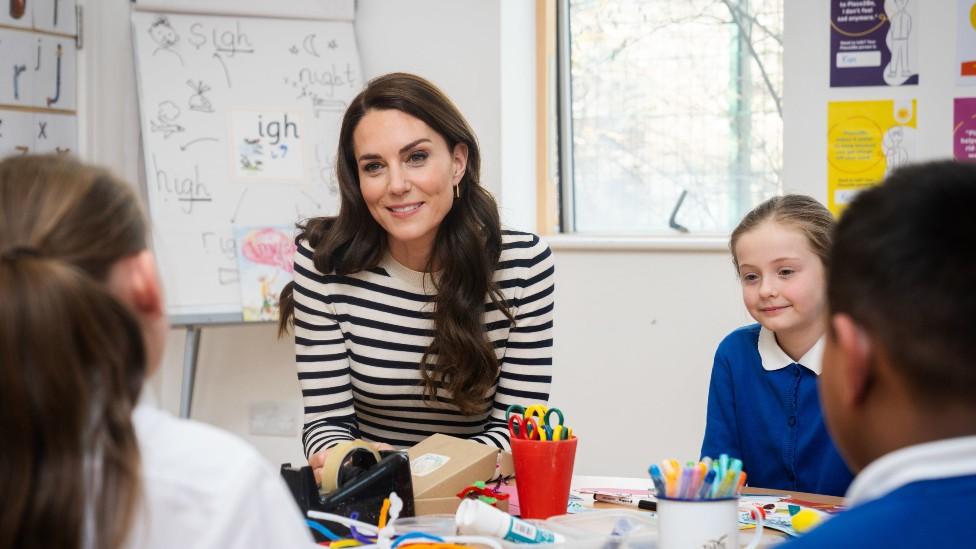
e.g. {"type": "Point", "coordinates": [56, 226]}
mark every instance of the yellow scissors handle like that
{"type": "Point", "coordinates": [536, 410]}
{"type": "Point", "coordinates": [561, 432]}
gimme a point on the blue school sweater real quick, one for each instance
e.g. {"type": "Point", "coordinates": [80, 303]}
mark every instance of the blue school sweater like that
{"type": "Point", "coordinates": [925, 513]}
{"type": "Point", "coordinates": [771, 420]}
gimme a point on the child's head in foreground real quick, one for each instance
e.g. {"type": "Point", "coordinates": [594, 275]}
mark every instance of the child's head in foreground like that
{"type": "Point", "coordinates": [900, 361]}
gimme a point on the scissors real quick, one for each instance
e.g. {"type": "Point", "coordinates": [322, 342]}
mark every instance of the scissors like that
{"type": "Point", "coordinates": [526, 428]}
{"type": "Point", "coordinates": [554, 430]}
{"type": "Point", "coordinates": [514, 409]}
{"type": "Point", "coordinates": [549, 430]}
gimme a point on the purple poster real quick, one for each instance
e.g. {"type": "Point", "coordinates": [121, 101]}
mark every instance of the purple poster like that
{"type": "Point", "coordinates": [964, 129]}
{"type": "Point", "coordinates": [873, 42]}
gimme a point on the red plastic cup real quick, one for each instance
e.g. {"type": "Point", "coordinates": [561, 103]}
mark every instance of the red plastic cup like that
{"type": "Point", "coordinates": [543, 473]}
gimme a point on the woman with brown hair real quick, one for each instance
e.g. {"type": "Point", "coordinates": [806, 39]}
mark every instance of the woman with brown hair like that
{"type": "Point", "coordinates": [84, 463]}
{"type": "Point", "coordinates": [414, 312]}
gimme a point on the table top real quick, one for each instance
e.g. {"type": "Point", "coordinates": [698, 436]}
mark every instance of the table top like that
{"type": "Point", "coordinates": [770, 537]}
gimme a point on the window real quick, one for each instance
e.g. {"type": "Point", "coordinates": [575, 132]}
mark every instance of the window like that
{"type": "Point", "coordinates": [669, 102]}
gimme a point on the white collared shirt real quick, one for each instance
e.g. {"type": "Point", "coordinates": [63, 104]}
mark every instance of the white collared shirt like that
{"type": "Point", "coordinates": [773, 356]}
{"type": "Point", "coordinates": [951, 457]}
{"type": "Point", "coordinates": [205, 488]}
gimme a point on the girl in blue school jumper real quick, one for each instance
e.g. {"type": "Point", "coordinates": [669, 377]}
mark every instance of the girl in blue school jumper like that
{"type": "Point", "coordinates": [763, 405]}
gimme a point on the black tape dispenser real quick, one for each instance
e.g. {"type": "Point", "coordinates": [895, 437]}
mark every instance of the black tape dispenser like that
{"type": "Point", "coordinates": [355, 479]}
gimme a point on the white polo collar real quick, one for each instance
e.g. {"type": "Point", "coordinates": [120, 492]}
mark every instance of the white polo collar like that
{"type": "Point", "coordinates": [951, 457]}
{"type": "Point", "coordinates": [773, 356]}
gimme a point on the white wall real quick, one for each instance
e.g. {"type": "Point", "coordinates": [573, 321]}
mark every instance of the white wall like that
{"type": "Point", "coordinates": [635, 332]}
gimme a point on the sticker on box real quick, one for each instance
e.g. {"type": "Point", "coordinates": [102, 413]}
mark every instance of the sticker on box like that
{"type": "Point", "coordinates": [427, 464]}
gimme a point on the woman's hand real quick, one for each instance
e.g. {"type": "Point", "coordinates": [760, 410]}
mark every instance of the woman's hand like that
{"type": "Point", "coordinates": [317, 460]}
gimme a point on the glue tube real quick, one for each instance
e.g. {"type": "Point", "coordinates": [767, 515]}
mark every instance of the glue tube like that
{"type": "Point", "coordinates": [478, 518]}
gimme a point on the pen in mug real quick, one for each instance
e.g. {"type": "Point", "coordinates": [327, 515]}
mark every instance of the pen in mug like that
{"type": "Point", "coordinates": [685, 491]}
{"type": "Point", "coordinates": [706, 488]}
{"type": "Point", "coordinates": [658, 480]}
{"type": "Point", "coordinates": [723, 488]}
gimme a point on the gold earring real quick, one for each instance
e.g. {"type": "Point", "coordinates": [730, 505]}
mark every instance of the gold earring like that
{"type": "Point", "coordinates": [457, 192]}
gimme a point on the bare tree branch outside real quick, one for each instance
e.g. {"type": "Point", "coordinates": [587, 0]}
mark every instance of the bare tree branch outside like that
{"type": "Point", "coordinates": [671, 96]}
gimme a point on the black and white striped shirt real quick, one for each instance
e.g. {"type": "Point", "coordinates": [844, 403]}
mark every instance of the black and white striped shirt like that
{"type": "Point", "coordinates": [359, 340]}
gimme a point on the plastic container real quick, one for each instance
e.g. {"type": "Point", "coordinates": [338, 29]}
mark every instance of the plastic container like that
{"type": "Point", "coordinates": [620, 527]}
{"type": "Point", "coordinates": [437, 525]}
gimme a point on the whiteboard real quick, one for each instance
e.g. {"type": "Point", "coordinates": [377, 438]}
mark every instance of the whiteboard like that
{"type": "Point", "coordinates": [240, 120]}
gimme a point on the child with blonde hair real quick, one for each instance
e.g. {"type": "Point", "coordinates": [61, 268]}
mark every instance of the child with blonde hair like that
{"type": "Point", "coordinates": [763, 406]}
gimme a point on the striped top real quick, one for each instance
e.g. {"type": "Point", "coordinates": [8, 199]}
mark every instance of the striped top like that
{"type": "Point", "coordinates": [359, 340]}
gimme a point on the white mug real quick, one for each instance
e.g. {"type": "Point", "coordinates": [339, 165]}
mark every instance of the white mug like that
{"type": "Point", "coordinates": [702, 524]}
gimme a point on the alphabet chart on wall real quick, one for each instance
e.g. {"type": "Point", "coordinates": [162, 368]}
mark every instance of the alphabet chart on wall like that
{"type": "Point", "coordinates": [240, 119]}
{"type": "Point", "coordinates": [37, 77]}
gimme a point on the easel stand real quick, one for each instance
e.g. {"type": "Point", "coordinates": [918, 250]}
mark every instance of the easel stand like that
{"type": "Point", "coordinates": [190, 352]}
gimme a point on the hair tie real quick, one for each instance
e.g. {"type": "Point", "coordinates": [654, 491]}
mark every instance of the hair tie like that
{"type": "Point", "coordinates": [18, 252]}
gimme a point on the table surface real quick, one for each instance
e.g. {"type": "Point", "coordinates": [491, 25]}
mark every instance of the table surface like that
{"type": "Point", "coordinates": [770, 537]}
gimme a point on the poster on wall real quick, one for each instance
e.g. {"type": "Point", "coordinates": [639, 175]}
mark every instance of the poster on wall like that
{"type": "Point", "coordinates": [873, 42]}
{"type": "Point", "coordinates": [966, 42]}
{"type": "Point", "coordinates": [866, 140]}
{"type": "Point", "coordinates": [964, 129]}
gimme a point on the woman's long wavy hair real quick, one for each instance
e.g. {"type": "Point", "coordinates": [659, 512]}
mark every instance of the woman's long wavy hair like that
{"type": "Point", "coordinates": [466, 249]}
{"type": "Point", "coordinates": [72, 357]}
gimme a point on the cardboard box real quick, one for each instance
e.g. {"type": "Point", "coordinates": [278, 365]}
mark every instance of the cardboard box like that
{"type": "Point", "coordinates": [442, 466]}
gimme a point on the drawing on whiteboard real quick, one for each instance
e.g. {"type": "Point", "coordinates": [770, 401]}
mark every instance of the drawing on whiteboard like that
{"type": "Point", "coordinates": [199, 102]}
{"type": "Point", "coordinates": [226, 277]}
{"type": "Point", "coordinates": [328, 106]}
{"type": "Point", "coordinates": [186, 145]}
{"type": "Point", "coordinates": [232, 42]}
{"type": "Point", "coordinates": [37, 60]}
{"type": "Point", "coordinates": [57, 80]}
{"type": "Point", "coordinates": [42, 130]}
{"type": "Point", "coordinates": [280, 151]}
{"type": "Point", "coordinates": [165, 37]}
{"type": "Point", "coordinates": [251, 153]}
{"type": "Point", "coordinates": [165, 122]}
{"type": "Point", "coordinates": [310, 80]}
{"type": "Point", "coordinates": [326, 171]}
{"type": "Point", "coordinates": [187, 191]}
{"type": "Point", "coordinates": [18, 70]}
{"type": "Point", "coordinates": [308, 44]}
{"type": "Point", "coordinates": [65, 150]}
{"type": "Point", "coordinates": [56, 4]}
{"type": "Point", "coordinates": [214, 243]}
{"type": "Point", "coordinates": [293, 50]}
{"type": "Point", "coordinates": [333, 44]}
{"type": "Point", "coordinates": [224, 65]}
{"type": "Point", "coordinates": [237, 209]}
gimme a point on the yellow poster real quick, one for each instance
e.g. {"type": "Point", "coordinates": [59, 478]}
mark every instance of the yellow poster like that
{"type": "Point", "coordinates": [865, 141]}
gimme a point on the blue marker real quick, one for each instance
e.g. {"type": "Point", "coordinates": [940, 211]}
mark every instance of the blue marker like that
{"type": "Point", "coordinates": [658, 479]}
{"type": "Point", "coordinates": [706, 487]}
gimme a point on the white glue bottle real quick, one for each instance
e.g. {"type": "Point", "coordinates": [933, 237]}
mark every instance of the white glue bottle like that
{"type": "Point", "coordinates": [477, 518]}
